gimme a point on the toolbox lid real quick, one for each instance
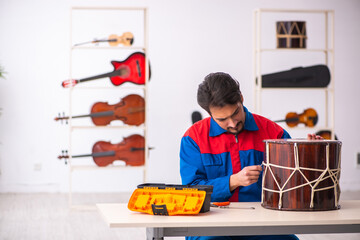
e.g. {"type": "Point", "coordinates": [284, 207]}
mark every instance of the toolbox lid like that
{"type": "Point", "coordinates": [170, 199]}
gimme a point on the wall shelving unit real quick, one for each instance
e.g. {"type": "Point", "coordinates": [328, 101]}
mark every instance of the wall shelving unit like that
{"type": "Point", "coordinates": [327, 50]}
{"type": "Point", "coordinates": [74, 90]}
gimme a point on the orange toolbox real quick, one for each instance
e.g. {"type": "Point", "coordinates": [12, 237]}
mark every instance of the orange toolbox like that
{"type": "Point", "coordinates": [168, 199]}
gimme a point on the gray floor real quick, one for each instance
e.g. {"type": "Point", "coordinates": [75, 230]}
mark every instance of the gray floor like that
{"type": "Point", "coordinates": [47, 216]}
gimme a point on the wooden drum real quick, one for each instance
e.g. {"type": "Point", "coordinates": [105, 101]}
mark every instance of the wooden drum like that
{"type": "Point", "coordinates": [291, 34]}
{"type": "Point", "coordinates": [301, 175]}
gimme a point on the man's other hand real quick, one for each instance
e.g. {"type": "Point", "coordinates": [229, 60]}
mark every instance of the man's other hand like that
{"type": "Point", "coordinates": [312, 136]}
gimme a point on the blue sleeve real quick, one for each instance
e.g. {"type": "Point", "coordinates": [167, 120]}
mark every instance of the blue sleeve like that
{"type": "Point", "coordinates": [285, 134]}
{"type": "Point", "coordinates": [193, 171]}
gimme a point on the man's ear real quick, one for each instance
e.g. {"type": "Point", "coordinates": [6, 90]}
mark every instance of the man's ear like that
{"type": "Point", "coordinates": [242, 98]}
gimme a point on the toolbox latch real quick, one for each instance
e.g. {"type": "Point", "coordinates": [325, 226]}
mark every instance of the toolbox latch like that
{"type": "Point", "coordinates": [159, 209]}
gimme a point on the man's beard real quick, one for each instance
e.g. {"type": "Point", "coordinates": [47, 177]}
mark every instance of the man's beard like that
{"type": "Point", "coordinates": [236, 130]}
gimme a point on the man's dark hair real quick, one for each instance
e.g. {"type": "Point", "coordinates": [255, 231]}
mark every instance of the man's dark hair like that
{"type": "Point", "coordinates": [217, 90]}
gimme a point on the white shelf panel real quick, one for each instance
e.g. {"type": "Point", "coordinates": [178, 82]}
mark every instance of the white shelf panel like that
{"type": "Point", "coordinates": [109, 88]}
{"type": "Point", "coordinates": [110, 167]}
{"type": "Point", "coordinates": [107, 127]}
{"type": "Point", "coordinates": [293, 50]}
{"type": "Point", "coordinates": [258, 88]}
{"type": "Point", "coordinates": [110, 8]}
{"type": "Point", "coordinates": [107, 48]}
{"type": "Point", "coordinates": [274, 10]}
{"type": "Point", "coordinates": [326, 50]}
{"type": "Point", "coordinates": [95, 22]}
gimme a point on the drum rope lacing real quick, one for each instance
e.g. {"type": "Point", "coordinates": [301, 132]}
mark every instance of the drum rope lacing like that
{"type": "Point", "coordinates": [288, 35]}
{"type": "Point", "coordinates": [332, 173]}
{"type": "Point", "coordinates": [301, 33]}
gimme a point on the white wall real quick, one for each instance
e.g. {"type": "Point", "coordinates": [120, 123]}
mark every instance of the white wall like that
{"type": "Point", "coordinates": [188, 39]}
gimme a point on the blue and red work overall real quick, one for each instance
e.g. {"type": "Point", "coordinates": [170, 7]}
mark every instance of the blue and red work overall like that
{"type": "Point", "coordinates": [209, 155]}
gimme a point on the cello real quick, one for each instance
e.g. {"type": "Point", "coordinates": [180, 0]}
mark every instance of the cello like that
{"type": "Point", "coordinates": [131, 150]}
{"type": "Point", "coordinates": [130, 110]}
{"type": "Point", "coordinates": [131, 69]}
{"type": "Point", "coordinates": [309, 117]}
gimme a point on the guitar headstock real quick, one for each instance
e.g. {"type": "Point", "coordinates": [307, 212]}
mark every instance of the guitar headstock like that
{"type": "Point", "coordinates": [64, 155]}
{"type": "Point", "coordinates": [69, 83]}
{"type": "Point", "coordinates": [62, 117]}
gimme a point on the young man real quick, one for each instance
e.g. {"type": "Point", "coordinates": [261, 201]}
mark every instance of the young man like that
{"type": "Point", "coordinates": [226, 150]}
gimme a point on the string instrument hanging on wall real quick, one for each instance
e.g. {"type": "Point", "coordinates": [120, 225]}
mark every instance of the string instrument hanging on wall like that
{"type": "Point", "coordinates": [317, 76]}
{"type": "Point", "coordinates": [309, 117]}
{"type": "Point", "coordinates": [131, 70]}
{"type": "Point", "coordinates": [130, 110]}
{"type": "Point", "coordinates": [131, 150]}
{"type": "Point", "coordinates": [127, 39]}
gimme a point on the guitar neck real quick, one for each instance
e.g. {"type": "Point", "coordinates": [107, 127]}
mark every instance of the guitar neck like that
{"type": "Point", "coordinates": [105, 40]}
{"type": "Point", "coordinates": [288, 120]}
{"type": "Point", "coordinates": [109, 74]}
{"type": "Point", "coordinates": [295, 119]}
{"type": "Point", "coordinates": [98, 114]}
{"type": "Point", "coordinates": [95, 41]}
{"type": "Point", "coordinates": [97, 154]}
{"type": "Point", "coordinates": [133, 149]}
{"type": "Point", "coordinates": [93, 115]}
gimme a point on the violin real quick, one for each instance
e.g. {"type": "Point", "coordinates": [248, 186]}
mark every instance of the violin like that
{"type": "Point", "coordinates": [127, 39]}
{"type": "Point", "coordinates": [131, 150]}
{"type": "Point", "coordinates": [309, 117]}
{"type": "Point", "coordinates": [131, 69]}
{"type": "Point", "coordinates": [130, 110]}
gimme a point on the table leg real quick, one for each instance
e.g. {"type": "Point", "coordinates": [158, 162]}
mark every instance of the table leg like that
{"type": "Point", "coordinates": [154, 234]}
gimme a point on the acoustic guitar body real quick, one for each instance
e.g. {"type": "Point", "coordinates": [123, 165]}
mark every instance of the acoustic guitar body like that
{"type": "Point", "coordinates": [132, 70]}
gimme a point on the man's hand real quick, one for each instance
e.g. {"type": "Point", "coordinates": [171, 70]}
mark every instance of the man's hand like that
{"type": "Point", "coordinates": [247, 176]}
{"type": "Point", "coordinates": [314, 137]}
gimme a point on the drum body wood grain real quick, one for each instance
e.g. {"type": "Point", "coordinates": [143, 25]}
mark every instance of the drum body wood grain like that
{"type": "Point", "coordinates": [301, 175]}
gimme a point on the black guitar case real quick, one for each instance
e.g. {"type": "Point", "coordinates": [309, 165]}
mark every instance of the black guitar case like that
{"type": "Point", "coordinates": [301, 77]}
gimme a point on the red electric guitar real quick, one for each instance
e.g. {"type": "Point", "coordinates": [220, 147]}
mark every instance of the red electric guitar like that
{"type": "Point", "coordinates": [131, 69]}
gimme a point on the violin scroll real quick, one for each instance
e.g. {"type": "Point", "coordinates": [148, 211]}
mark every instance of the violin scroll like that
{"type": "Point", "coordinates": [64, 155]}
{"type": "Point", "coordinates": [62, 117]}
